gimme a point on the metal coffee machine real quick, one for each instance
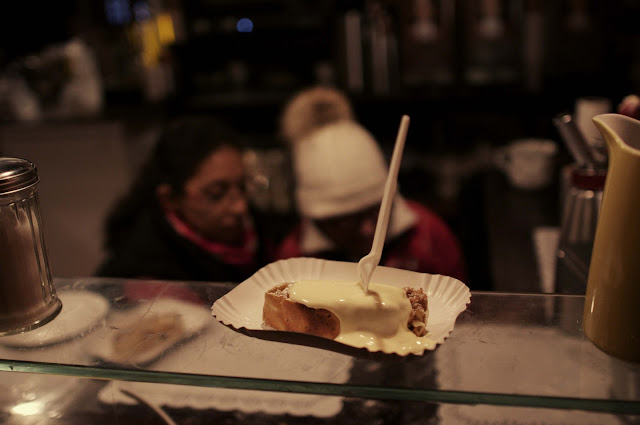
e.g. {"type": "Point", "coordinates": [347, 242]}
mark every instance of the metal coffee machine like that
{"type": "Point", "coordinates": [582, 189]}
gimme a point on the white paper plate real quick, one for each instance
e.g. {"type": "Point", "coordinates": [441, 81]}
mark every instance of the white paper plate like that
{"type": "Point", "coordinates": [236, 354]}
{"type": "Point", "coordinates": [224, 399]}
{"type": "Point", "coordinates": [242, 306]}
{"type": "Point", "coordinates": [100, 345]}
{"type": "Point", "coordinates": [81, 312]}
{"type": "Point", "coordinates": [223, 352]}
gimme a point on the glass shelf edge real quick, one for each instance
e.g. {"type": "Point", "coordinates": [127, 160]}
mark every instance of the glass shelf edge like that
{"type": "Point", "coordinates": [345, 390]}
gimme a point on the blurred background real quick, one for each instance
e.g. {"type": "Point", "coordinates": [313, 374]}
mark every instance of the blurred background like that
{"type": "Point", "coordinates": [85, 86]}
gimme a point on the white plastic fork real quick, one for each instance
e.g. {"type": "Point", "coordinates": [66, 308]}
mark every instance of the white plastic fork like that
{"type": "Point", "coordinates": [369, 262]}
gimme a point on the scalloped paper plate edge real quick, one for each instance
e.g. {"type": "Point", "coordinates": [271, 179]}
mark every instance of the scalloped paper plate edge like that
{"type": "Point", "coordinates": [242, 306]}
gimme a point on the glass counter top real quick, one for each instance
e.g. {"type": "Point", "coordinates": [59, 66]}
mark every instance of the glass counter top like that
{"type": "Point", "coordinates": [507, 349]}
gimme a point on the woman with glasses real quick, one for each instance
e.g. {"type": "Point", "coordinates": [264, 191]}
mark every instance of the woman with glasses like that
{"type": "Point", "coordinates": [187, 215]}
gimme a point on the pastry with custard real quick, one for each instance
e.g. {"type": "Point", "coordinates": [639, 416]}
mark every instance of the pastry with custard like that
{"type": "Point", "coordinates": [386, 318]}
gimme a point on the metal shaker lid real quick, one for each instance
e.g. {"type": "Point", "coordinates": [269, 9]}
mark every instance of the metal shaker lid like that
{"type": "Point", "coordinates": [16, 174]}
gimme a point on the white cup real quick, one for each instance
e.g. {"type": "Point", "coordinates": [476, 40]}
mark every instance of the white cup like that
{"type": "Point", "coordinates": [528, 163]}
{"type": "Point", "coordinates": [585, 109]}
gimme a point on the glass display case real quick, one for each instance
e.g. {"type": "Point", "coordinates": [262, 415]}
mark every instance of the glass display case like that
{"type": "Point", "coordinates": [126, 351]}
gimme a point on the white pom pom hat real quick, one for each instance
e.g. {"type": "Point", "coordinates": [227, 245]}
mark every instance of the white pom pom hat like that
{"type": "Point", "coordinates": [339, 169]}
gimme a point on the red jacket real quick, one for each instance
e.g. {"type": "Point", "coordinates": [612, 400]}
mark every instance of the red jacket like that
{"type": "Point", "coordinates": [428, 246]}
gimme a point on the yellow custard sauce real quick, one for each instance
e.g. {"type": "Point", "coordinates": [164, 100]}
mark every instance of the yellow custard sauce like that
{"type": "Point", "coordinates": [376, 320]}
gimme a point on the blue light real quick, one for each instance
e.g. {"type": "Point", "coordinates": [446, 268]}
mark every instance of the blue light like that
{"type": "Point", "coordinates": [117, 11]}
{"type": "Point", "coordinates": [141, 11]}
{"type": "Point", "coordinates": [244, 25]}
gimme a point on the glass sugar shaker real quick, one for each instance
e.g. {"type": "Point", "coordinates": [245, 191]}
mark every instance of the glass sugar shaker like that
{"type": "Point", "coordinates": [27, 296]}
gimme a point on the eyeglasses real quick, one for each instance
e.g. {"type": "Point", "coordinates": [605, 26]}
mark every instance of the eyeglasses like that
{"type": "Point", "coordinates": [222, 191]}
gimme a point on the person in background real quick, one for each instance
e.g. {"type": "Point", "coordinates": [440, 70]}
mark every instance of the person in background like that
{"type": "Point", "coordinates": [630, 106]}
{"type": "Point", "coordinates": [187, 215]}
{"type": "Point", "coordinates": [340, 174]}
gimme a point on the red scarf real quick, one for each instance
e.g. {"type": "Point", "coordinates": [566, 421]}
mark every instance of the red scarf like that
{"type": "Point", "coordinates": [237, 255]}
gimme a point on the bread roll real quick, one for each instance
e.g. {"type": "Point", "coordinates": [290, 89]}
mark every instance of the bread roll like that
{"type": "Point", "coordinates": [148, 334]}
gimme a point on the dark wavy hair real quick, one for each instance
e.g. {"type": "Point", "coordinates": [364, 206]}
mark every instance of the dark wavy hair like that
{"type": "Point", "coordinates": [183, 144]}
